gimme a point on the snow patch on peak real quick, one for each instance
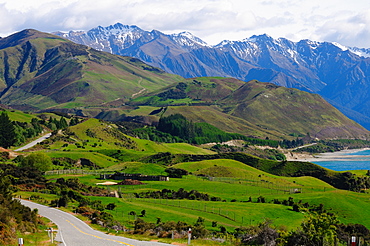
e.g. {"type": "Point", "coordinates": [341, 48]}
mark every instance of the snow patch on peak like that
{"type": "Point", "coordinates": [312, 44]}
{"type": "Point", "coordinates": [188, 39]}
{"type": "Point", "coordinates": [185, 34]}
{"type": "Point", "coordinates": [342, 47]}
{"type": "Point", "coordinates": [118, 28]}
{"type": "Point", "coordinates": [224, 43]}
{"type": "Point", "coordinates": [256, 38]}
{"type": "Point", "coordinates": [360, 51]}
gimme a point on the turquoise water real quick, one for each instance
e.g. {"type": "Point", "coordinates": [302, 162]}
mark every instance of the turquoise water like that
{"type": "Point", "coordinates": [359, 161]}
{"type": "Point", "coordinates": [345, 165]}
{"type": "Point", "coordinates": [363, 152]}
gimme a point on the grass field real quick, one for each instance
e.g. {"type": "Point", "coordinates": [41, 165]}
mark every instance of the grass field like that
{"type": "Point", "coordinates": [235, 211]}
{"type": "Point", "coordinates": [239, 186]}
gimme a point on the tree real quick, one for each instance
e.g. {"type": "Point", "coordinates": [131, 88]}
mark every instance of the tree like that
{"type": "Point", "coordinates": [63, 201]}
{"type": "Point", "coordinates": [38, 161]}
{"type": "Point", "coordinates": [63, 123]}
{"type": "Point", "coordinates": [143, 212]}
{"type": "Point", "coordinates": [6, 188]}
{"type": "Point", "coordinates": [111, 206]}
{"type": "Point", "coordinates": [8, 135]}
{"type": "Point", "coordinates": [175, 172]}
{"type": "Point", "coordinates": [159, 220]}
{"type": "Point", "coordinates": [320, 229]}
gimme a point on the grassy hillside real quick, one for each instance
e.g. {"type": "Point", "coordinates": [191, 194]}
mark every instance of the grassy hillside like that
{"type": "Point", "coordinates": [253, 108]}
{"type": "Point", "coordinates": [238, 183]}
{"type": "Point", "coordinates": [289, 111]}
{"type": "Point", "coordinates": [93, 139]}
{"type": "Point", "coordinates": [43, 71]}
{"type": "Point", "coordinates": [249, 189]}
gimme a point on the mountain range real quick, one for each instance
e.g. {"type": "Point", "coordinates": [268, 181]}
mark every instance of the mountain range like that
{"type": "Point", "coordinates": [340, 74]}
{"type": "Point", "coordinates": [42, 72]}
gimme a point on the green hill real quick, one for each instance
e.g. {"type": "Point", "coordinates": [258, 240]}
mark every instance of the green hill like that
{"type": "Point", "coordinates": [253, 108]}
{"type": "Point", "coordinates": [290, 111]}
{"type": "Point", "coordinates": [41, 71]}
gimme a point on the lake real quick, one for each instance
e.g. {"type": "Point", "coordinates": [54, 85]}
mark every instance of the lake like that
{"type": "Point", "coordinates": [345, 160]}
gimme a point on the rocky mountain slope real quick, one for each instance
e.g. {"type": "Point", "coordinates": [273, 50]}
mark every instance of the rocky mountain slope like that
{"type": "Point", "coordinates": [339, 74]}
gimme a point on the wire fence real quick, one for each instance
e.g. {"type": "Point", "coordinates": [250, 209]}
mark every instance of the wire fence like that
{"type": "Point", "coordinates": [185, 204]}
{"type": "Point", "coordinates": [73, 171]}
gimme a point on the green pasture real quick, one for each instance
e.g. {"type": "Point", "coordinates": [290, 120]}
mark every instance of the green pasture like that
{"type": "Point", "coordinates": [242, 173]}
{"type": "Point", "coordinates": [230, 215]}
{"type": "Point", "coordinates": [138, 167]}
{"type": "Point", "coordinates": [141, 110]}
{"type": "Point", "coordinates": [95, 157]}
{"type": "Point", "coordinates": [234, 211]}
{"type": "Point", "coordinates": [15, 115]}
{"type": "Point", "coordinates": [238, 185]}
{"type": "Point", "coordinates": [350, 207]}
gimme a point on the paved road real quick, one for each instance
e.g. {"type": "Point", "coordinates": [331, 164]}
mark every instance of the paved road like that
{"type": "Point", "coordinates": [74, 232]}
{"type": "Point", "coordinates": [33, 143]}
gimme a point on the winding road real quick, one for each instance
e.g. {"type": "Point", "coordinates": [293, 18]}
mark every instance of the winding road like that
{"type": "Point", "coordinates": [74, 232]}
{"type": "Point", "coordinates": [33, 143]}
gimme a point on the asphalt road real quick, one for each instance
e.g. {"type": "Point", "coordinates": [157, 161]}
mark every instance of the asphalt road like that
{"type": "Point", "coordinates": [74, 232]}
{"type": "Point", "coordinates": [33, 143]}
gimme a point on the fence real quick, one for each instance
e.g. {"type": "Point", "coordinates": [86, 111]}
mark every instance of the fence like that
{"type": "Point", "coordinates": [185, 204]}
{"type": "Point", "coordinates": [72, 171]}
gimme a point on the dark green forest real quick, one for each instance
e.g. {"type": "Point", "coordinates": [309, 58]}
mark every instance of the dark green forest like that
{"type": "Point", "coordinates": [177, 128]}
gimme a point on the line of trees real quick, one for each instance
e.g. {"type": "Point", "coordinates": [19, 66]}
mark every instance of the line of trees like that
{"type": "Point", "coordinates": [180, 194]}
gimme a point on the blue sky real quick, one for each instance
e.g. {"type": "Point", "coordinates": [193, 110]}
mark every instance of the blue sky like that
{"type": "Point", "coordinates": [342, 21]}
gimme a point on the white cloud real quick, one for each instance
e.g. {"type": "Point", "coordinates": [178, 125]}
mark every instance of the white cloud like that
{"type": "Point", "coordinates": [347, 28]}
{"type": "Point", "coordinates": [343, 21]}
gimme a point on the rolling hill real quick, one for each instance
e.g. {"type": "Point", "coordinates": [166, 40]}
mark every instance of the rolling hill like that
{"type": "Point", "coordinates": [255, 108]}
{"type": "Point", "coordinates": [42, 72]}
{"type": "Point", "coordinates": [39, 71]}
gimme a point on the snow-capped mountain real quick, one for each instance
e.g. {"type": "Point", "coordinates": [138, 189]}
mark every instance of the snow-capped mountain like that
{"type": "Point", "coordinates": [187, 39]}
{"type": "Point", "coordinates": [109, 39]}
{"type": "Point", "coordinates": [360, 51]}
{"type": "Point", "coordinates": [340, 74]}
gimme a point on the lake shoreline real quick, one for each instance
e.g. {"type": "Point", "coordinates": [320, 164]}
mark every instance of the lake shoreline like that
{"type": "Point", "coordinates": [328, 156]}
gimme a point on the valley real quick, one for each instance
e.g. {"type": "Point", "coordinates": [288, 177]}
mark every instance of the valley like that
{"type": "Point", "coordinates": [226, 148]}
